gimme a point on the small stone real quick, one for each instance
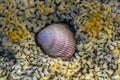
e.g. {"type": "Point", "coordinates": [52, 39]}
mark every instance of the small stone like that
{"type": "Point", "coordinates": [111, 47]}
{"type": "Point", "coordinates": [110, 72]}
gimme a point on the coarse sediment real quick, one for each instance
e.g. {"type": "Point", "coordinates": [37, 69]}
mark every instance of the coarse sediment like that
{"type": "Point", "coordinates": [97, 33]}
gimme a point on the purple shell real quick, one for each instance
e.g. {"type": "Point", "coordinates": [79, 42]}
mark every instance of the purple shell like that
{"type": "Point", "coordinates": [57, 41]}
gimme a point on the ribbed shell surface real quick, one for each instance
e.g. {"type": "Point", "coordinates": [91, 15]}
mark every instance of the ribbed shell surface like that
{"type": "Point", "coordinates": [57, 41]}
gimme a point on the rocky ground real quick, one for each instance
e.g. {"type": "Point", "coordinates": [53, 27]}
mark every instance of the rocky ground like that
{"type": "Point", "coordinates": [96, 25]}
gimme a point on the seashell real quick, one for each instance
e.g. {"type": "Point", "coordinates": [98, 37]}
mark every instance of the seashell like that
{"type": "Point", "coordinates": [57, 41]}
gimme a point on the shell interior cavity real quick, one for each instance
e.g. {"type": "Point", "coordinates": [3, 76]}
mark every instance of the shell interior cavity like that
{"type": "Point", "coordinates": [57, 41]}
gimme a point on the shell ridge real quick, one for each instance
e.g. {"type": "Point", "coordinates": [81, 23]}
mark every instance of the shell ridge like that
{"type": "Point", "coordinates": [59, 41]}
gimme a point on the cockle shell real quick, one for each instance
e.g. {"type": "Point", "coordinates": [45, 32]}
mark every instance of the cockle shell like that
{"type": "Point", "coordinates": [57, 41]}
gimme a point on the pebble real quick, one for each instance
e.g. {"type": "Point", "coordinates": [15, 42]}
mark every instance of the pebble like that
{"type": "Point", "coordinates": [111, 47]}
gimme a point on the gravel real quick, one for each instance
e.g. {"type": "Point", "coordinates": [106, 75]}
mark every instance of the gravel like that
{"type": "Point", "coordinates": [97, 53]}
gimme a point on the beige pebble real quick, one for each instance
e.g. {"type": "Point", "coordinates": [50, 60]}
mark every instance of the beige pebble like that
{"type": "Point", "coordinates": [97, 68]}
{"type": "Point", "coordinates": [99, 73]}
{"type": "Point", "coordinates": [89, 76]}
{"type": "Point", "coordinates": [110, 72]}
{"type": "Point", "coordinates": [111, 47]}
{"type": "Point", "coordinates": [116, 77]}
{"type": "Point", "coordinates": [26, 51]}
